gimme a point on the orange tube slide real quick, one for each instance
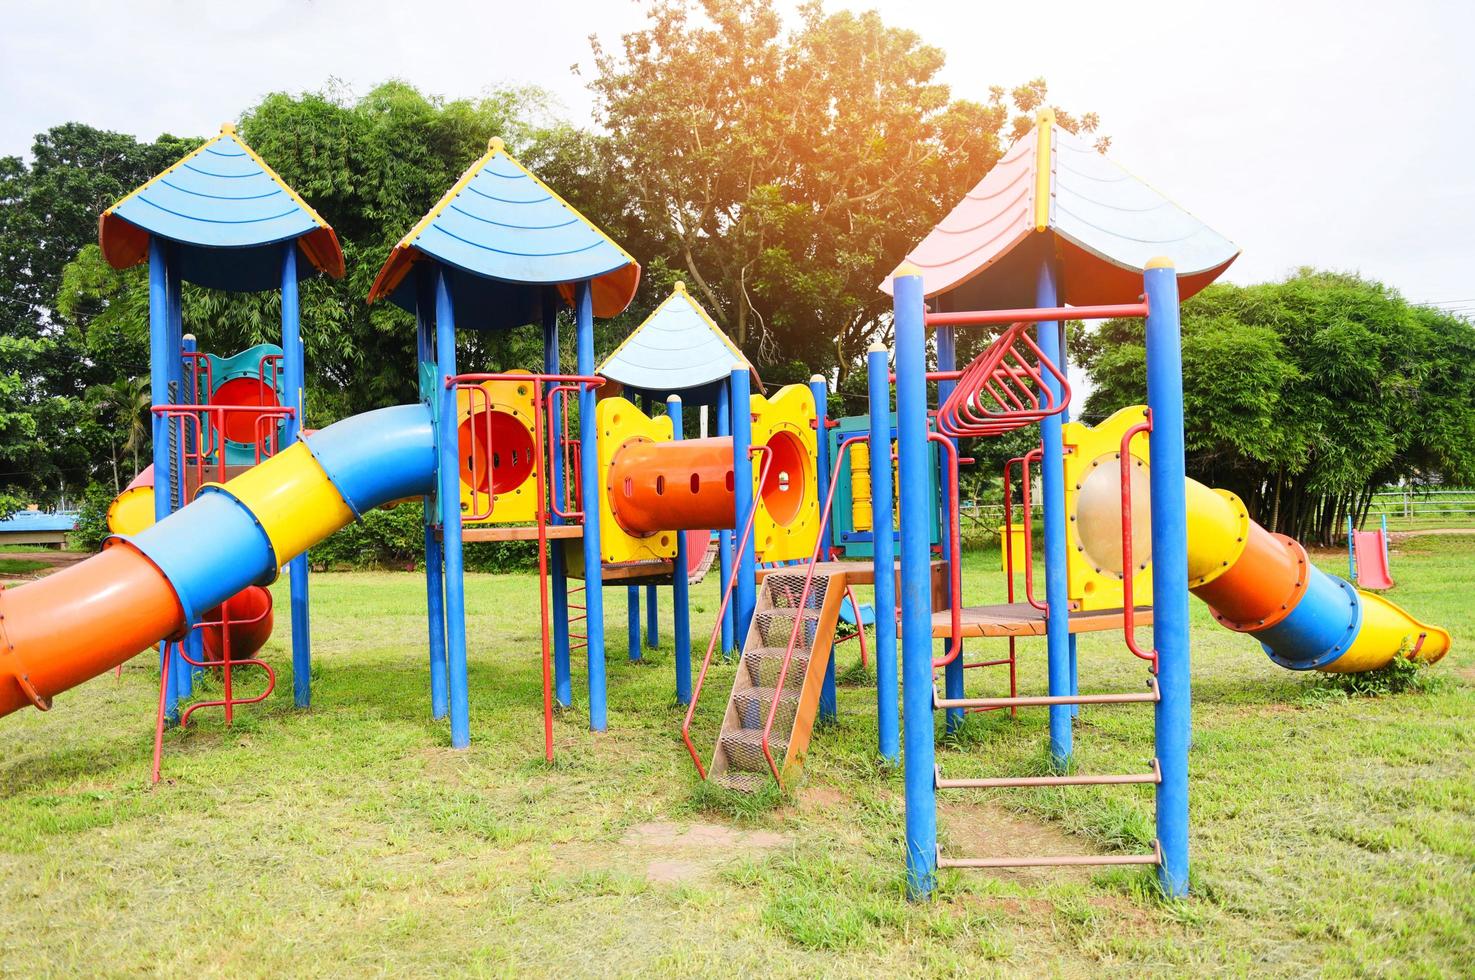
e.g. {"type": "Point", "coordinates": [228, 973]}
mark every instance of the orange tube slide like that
{"type": "Point", "coordinates": [114, 605]}
{"type": "Point", "coordinates": [1263, 584]}
{"type": "Point", "coordinates": [673, 486]}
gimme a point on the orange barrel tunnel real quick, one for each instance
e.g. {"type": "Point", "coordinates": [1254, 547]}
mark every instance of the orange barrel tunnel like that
{"type": "Point", "coordinates": [685, 485]}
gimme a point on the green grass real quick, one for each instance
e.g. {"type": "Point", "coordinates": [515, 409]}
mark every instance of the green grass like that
{"type": "Point", "coordinates": [20, 566]}
{"type": "Point", "coordinates": [1331, 832]}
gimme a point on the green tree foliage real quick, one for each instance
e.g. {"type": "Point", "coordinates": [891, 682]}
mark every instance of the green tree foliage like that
{"type": "Point", "coordinates": [1306, 396]}
{"type": "Point", "coordinates": [786, 172]}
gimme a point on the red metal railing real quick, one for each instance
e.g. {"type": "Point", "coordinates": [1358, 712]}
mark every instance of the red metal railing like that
{"type": "Point", "coordinates": [732, 578]}
{"type": "Point", "coordinates": [1129, 569]}
{"type": "Point", "coordinates": [227, 666]}
{"type": "Point", "coordinates": [1029, 547]}
{"type": "Point", "coordinates": [545, 458]}
{"type": "Point", "coordinates": [978, 318]}
{"type": "Point", "coordinates": [204, 455]}
{"type": "Point", "coordinates": [955, 563]}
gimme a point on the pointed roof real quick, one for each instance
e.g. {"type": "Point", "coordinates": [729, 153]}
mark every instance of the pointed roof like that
{"type": "Point", "coordinates": [499, 222]}
{"type": "Point", "coordinates": [679, 349]}
{"type": "Point", "coordinates": [224, 208]}
{"type": "Point", "coordinates": [1053, 194]}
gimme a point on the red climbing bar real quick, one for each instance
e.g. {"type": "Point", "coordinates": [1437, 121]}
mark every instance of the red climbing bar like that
{"type": "Point", "coordinates": [976, 318]}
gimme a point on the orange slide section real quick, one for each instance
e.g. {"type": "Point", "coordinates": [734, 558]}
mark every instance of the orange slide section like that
{"type": "Point", "coordinates": [113, 605]}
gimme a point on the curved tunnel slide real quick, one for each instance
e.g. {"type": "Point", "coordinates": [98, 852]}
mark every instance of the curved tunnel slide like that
{"type": "Point", "coordinates": [64, 629]}
{"type": "Point", "coordinates": [1263, 584]}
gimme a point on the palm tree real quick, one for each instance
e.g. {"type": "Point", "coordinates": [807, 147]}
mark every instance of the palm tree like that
{"type": "Point", "coordinates": [130, 401]}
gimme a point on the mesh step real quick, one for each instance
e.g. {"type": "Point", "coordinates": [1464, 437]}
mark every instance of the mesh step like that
{"type": "Point", "coordinates": [764, 664]}
{"type": "Point", "coordinates": [743, 782]}
{"type": "Point", "coordinates": [744, 748]}
{"type": "Point", "coordinates": [776, 626]}
{"type": "Point", "coordinates": [753, 706]}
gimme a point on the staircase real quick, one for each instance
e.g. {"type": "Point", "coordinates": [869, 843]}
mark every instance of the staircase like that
{"type": "Point", "coordinates": [789, 628]}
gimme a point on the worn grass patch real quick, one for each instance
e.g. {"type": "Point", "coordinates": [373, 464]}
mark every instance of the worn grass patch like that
{"type": "Point", "coordinates": [1331, 828]}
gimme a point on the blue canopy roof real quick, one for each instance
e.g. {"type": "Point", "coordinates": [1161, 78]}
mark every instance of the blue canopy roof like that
{"type": "Point", "coordinates": [677, 350]}
{"type": "Point", "coordinates": [227, 213]}
{"type": "Point", "coordinates": [503, 230]}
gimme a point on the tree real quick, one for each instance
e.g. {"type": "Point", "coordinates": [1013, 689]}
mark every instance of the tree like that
{"type": "Point", "coordinates": [786, 173]}
{"type": "Point", "coordinates": [1306, 396]}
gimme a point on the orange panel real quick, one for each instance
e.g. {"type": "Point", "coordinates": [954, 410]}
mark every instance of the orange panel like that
{"type": "Point", "coordinates": [673, 486]}
{"type": "Point", "coordinates": [115, 605]}
{"type": "Point", "coordinates": [1262, 587]}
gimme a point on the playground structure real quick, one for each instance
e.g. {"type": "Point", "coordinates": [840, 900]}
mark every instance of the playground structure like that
{"type": "Point", "coordinates": [1367, 555]}
{"type": "Point", "coordinates": [613, 492]}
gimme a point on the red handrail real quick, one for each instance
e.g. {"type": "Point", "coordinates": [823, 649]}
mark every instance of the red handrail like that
{"type": "Point", "coordinates": [1129, 571]}
{"type": "Point", "coordinates": [722, 610]}
{"type": "Point", "coordinates": [977, 318]}
{"type": "Point", "coordinates": [564, 446]}
{"type": "Point", "coordinates": [1013, 383]}
{"type": "Point", "coordinates": [543, 584]}
{"type": "Point", "coordinates": [1029, 583]}
{"type": "Point", "coordinates": [800, 606]}
{"type": "Point", "coordinates": [955, 537]}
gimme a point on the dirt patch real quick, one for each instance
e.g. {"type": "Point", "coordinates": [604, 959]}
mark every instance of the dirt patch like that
{"type": "Point", "coordinates": [670, 853]}
{"type": "Point", "coordinates": [990, 830]}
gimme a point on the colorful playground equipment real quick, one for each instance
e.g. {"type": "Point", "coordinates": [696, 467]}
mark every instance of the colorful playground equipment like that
{"type": "Point", "coordinates": [599, 469]}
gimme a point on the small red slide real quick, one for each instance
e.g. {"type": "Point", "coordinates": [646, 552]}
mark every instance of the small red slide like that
{"type": "Point", "coordinates": [1371, 553]}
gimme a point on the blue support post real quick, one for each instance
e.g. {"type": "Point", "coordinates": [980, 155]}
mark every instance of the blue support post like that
{"type": "Point", "coordinates": [1169, 571]}
{"type": "Point", "coordinates": [680, 597]}
{"type": "Point", "coordinates": [633, 615]}
{"type": "Point", "coordinates": [181, 676]}
{"type": "Point", "coordinates": [590, 491]}
{"type": "Point", "coordinates": [563, 689]}
{"type": "Point", "coordinates": [916, 581]}
{"type": "Point", "coordinates": [947, 360]}
{"type": "Point", "coordinates": [160, 354]}
{"type": "Point", "coordinates": [652, 604]}
{"type": "Point", "coordinates": [744, 596]}
{"type": "Point", "coordinates": [293, 381]}
{"type": "Point", "coordinates": [435, 611]}
{"type": "Point", "coordinates": [449, 486]}
{"type": "Point", "coordinates": [195, 641]}
{"type": "Point", "coordinates": [884, 560]}
{"type": "Point", "coordinates": [1052, 486]}
{"type": "Point", "coordinates": [725, 535]}
{"type": "Point", "coordinates": [829, 704]}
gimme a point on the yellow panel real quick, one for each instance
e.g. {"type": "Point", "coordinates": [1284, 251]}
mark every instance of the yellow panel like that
{"type": "Point", "coordinates": [860, 487]}
{"type": "Point", "coordinates": [619, 422]}
{"type": "Point", "coordinates": [519, 504]}
{"type": "Point", "coordinates": [131, 511]}
{"type": "Point", "coordinates": [1092, 468]}
{"type": "Point", "coordinates": [787, 421]}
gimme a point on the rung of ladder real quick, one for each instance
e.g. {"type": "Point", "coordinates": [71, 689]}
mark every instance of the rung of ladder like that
{"type": "Point", "coordinates": [1150, 695]}
{"type": "Point", "coordinates": [1054, 861]}
{"type": "Point", "coordinates": [1155, 776]}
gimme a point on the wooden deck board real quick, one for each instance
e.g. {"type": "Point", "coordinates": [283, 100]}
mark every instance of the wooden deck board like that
{"type": "Point", "coordinates": [1023, 619]}
{"type": "Point", "coordinates": [480, 532]}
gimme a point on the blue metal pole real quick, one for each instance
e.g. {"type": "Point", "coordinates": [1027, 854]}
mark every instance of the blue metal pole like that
{"type": "Point", "coordinates": [884, 555]}
{"type": "Point", "coordinates": [294, 370]}
{"type": "Point", "coordinates": [829, 705]}
{"type": "Point", "coordinates": [449, 485]}
{"type": "Point", "coordinates": [680, 595]}
{"type": "Point", "coordinates": [590, 491]}
{"type": "Point", "coordinates": [196, 639]}
{"type": "Point", "coordinates": [435, 610]}
{"type": "Point", "coordinates": [563, 690]}
{"type": "Point", "coordinates": [745, 594]}
{"type": "Point", "coordinates": [182, 676]}
{"type": "Point", "coordinates": [1052, 486]}
{"type": "Point", "coordinates": [724, 535]}
{"type": "Point", "coordinates": [652, 605]}
{"type": "Point", "coordinates": [947, 360]}
{"type": "Point", "coordinates": [915, 488]}
{"type": "Point", "coordinates": [633, 616]}
{"type": "Point", "coordinates": [161, 353]}
{"type": "Point", "coordinates": [1169, 571]}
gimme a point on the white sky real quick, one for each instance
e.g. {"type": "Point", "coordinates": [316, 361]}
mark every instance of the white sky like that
{"type": "Point", "coordinates": [1334, 134]}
